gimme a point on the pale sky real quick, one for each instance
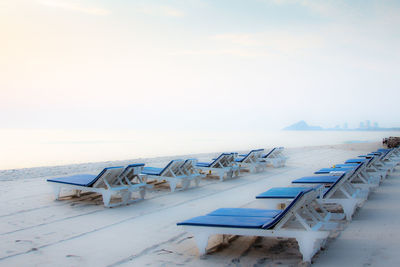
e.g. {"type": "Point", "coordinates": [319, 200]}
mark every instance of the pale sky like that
{"type": "Point", "coordinates": [211, 64]}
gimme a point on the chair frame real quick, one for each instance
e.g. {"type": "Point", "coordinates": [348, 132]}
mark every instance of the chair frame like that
{"type": "Point", "coordinates": [310, 234]}
{"type": "Point", "coordinates": [111, 181]}
{"type": "Point", "coordinates": [177, 171]}
{"type": "Point", "coordinates": [251, 161]}
{"type": "Point", "coordinates": [224, 166]}
{"type": "Point", "coordinates": [274, 157]}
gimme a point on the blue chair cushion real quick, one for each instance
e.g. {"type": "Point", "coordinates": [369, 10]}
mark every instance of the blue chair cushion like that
{"type": "Point", "coordinates": [203, 164]}
{"type": "Point", "coordinates": [347, 165]}
{"type": "Point", "coordinates": [328, 170]}
{"type": "Point", "coordinates": [282, 192]}
{"type": "Point", "coordinates": [135, 165]}
{"type": "Point", "coordinates": [79, 179]}
{"type": "Point", "coordinates": [228, 221]}
{"type": "Point", "coordinates": [245, 212]}
{"type": "Point", "coordinates": [322, 179]}
{"type": "Point", "coordinates": [239, 159]}
{"type": "Point", "coordinates": [355, 160]}
{"type": "Point", "coordinates": [269, 153]}
{"type": "Point", "coordinates": [152, 170]}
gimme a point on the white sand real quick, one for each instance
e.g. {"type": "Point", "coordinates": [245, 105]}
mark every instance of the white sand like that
{"type": "Point", "coordinates": [36, 230]}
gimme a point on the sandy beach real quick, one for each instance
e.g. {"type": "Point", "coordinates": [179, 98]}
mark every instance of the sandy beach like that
{"type": "Point", "coordinates": [36, 230]}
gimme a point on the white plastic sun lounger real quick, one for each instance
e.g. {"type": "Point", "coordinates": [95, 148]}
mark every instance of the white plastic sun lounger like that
{"type": "Point", "coordinates": [176, 171]}
{"type": "Point", "coordinates": [377, 166]}
{"type": "Point", "coordinates": [392, 154]}
{"type": "Point", "coordinates": [315, 210]}
{"type": "Point", "coordinates": [224, 166]}
{"type": "Point", "coordinates": [251, 160]}
{"type": "Point", "coordinates": [359, 177]}
{"type": "Point", "coordinates": [111, 181]}
{"type": "Point", "coordinates": [338, 190]}
{"type": "Point", "coordinates": [189, 167]}
{"type": "Point", "coordinates": [383, 162]}
{"type": "Point", "coordinates": [274, 157]}
{"type": "Point", "coordinates": [292, 222]}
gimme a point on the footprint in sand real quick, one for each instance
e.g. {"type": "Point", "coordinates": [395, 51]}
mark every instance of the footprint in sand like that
{"type": "Point", "coordinates": [23, 241]}
{"type": "Point", "coordinates": [72, 256]}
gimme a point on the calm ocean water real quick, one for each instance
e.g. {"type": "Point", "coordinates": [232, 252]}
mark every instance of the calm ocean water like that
{"type": "Point", "coordinates": [32, 148]}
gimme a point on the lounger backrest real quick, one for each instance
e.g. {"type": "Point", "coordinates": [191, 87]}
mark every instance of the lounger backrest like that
{"type": "Point", "coordinates": [132, 171]}
{"type": "Point", "coordinates": [347, 176]}
{"type": "Point", "coordinates": [384, 154]}
{"type": "Point", "coordinates": [279, 152]}
{"type": "Point", "coordinates": [174, 166]}
{"type": "Point", "coordinates": [370, 161]}
{"type": "Point", "coordinates": [270, 153]}
{"type": "Point", "coordinates": [229, 159]}
{"type": "Point", "coordinates": [253, 154]}
{"type": "Point", "coordinates": [388, 152]}
{"type": "Point", "coordinates": [189, 167]}
{"type": "Point", "coordinates": [220, 160]}
{"type": "Point", "coordinates": [303, 198]}
{"type": "Point", "coordinates": [109, 174]}
{"type": "Point", "coordinates": [335, 186]}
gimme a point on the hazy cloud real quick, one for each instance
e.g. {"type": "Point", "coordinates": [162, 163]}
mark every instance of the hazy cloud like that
{"type": "Point", "coordinates": [156, 10]}
{"type": "Point", "coordinates": [75, 6]}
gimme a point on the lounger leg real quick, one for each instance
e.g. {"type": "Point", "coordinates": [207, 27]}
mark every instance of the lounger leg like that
{"type": "Point", "coordinates": [275, 163]}
{"type": "Point", "coordinates": [252, 169]}
{"type": "Point", "coordinates": [221, 176]}
{"type": "Point", "coordinates": [172, 185]}
{"type": "Point", "coordinates": [126, 196]}
{"type": "Point", "coordinates": [185, 184]}
{"type": "Point", "coordinates": [349, 207]}
{"type": "Point", "coordinates": [142, 192]}
{"type": "Point", "coordinates": [307, 247]}
{"type": "Point", "coordinates": [229, 174]}
{"type": "Point", "coordinates": [56, 190]}
{"type": "Point", "coordinates": [106, 198]}
{"type": "Point", "coordinates": [201, 242]}
{"type": "Point", "coordinates": [197, 181]}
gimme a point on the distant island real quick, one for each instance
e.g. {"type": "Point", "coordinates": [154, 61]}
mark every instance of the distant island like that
{"type": "Point", "coordinates": [303, 126]}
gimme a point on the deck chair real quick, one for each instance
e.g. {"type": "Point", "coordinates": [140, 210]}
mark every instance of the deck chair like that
{"type": "Point", "coordinates": [224, 166]}
{"type": "Point", "coordinates": [316, 211]}
{"type": "Point", "coordinates": [359, 176]}
{"type": "Point", "coordinates": [110, 181]}
{"type": "Point", "coordinates": [274, 157]}
{"type": "Point", "coordinates": [384, 161]}
{"type": "Point", "coordinates": [292, 222]}
{"type": "Point", "coordinates": [173, 173]}
{"type": "Point", "coordinates": [251, 160]}
{"type": "Point", "coordinates": [370, 170]}
{"type": "Point", "coordinates": [338, 189]}
{"type": "Point", "coordinates": [132, 177]}
{"type": "Point", "coordinates": [393, 154]}
{"type": "Point", "coordinates": [192, 171]}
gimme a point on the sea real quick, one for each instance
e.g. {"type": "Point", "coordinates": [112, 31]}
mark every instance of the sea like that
{"type": "Point", "coordinates": [26, 148]}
